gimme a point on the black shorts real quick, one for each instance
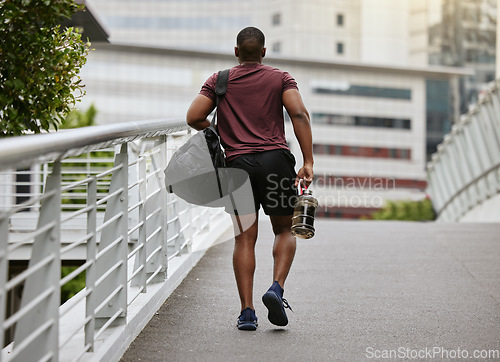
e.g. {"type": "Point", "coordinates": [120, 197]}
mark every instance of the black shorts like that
{"type": "Point", "coordinates": [272, 176]}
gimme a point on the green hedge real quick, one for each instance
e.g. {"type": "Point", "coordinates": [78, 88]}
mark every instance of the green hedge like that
{"type": "Point", "coordinates": [406, 210]}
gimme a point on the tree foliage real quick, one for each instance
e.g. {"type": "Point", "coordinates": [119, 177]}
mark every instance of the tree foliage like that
{"type": "Point", "coordinates": [39, 64]}
{"type": "Point", "coordinates": [77, 118]}
{"type": "Point", "coordinates": [71, 288]}
{"type": "Point", "coordinates": [406, 210]}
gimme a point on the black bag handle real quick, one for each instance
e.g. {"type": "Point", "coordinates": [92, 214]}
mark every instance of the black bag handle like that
{"type": "Point", "coordinates": [222, 80]}
{"type": "Point", "coordinates": [220, 90]}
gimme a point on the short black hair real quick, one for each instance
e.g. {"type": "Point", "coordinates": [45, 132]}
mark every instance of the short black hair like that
{"type": "Point", "coordinates": [250, 42]}
{"type": "Point", "coordinates": [250, 33]}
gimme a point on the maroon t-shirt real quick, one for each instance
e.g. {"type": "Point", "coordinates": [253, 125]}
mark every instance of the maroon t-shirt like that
{"type": "Point", "coordinates": [250, 116]}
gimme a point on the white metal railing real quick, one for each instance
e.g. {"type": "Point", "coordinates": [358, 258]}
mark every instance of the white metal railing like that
{"type": "Point", "coordinates": [64, 199]}
{"type": "Point", "coordinates": [465, 171]}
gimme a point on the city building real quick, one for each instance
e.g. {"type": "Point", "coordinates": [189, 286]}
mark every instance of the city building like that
{"type": "Point", "coordinates": [193, 24]}
{"type": "Point", "coordinates": [462, 33]}
{"type": "Point", "coordinates": [369, 117]}
{"type": "Point", "coordinates": [391, 32]}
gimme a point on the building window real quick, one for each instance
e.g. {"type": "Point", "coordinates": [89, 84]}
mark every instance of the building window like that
{"type": "Point", "coordinates": [340, 19]}
{"type": "Point", "coordinates": [361, 121]}
{"type": "Point", "coordinates": [276, 47]}
{"type": "Point", "coordinates": [362, 91]}
{"type": "Point", "coordinates": [340, 48]}
{"type": "Point", "coordinates": [276, 19]}
{"type": "Point", "coordinates": [362, 151]}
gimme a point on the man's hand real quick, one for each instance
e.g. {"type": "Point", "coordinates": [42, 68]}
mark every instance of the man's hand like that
{"type": "Point", "coordinates": [306, 173]}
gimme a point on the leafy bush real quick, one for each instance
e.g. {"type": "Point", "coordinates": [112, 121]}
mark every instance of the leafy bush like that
{"type": "Point", "coordinates": [77, 118]}
{"type": "Point", "coordinates": [71, 288]}
{"type": "Point", "coordinates": [39, 64]}
{"type": "Point", "coordinates": [406, 210]}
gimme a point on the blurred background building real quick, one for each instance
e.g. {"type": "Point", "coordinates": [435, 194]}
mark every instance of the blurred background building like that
{"type": "Point", "coordinates": [462, 33]}
{"type": "Point", "coordinates": [372, 74]}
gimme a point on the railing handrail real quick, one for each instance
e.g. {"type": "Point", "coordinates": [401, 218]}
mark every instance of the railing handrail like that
{"type": "Point", "coordinates": [469, 155]}
{"type": "Point", "coordinates": [466, 187]}
{"type": "Point", "coordinates": [22, 151]}
{"type": "Point", "coordinates": [112, 218]}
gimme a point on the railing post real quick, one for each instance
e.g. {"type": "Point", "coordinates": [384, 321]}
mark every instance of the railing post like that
{"type": "Point", "coordinates": [133, 193]}
{"type": "Point", "coordinates": [4, 269]}
{"type": "Point", "coordinates": [486, 134]}
{"type": "Point", "coordinates": [476, 162]}
{"type": "Point", "coordinates": [156, 246]}
{"type": "Point", "coordinates": [459, 166]}
{"type": "Point", "coordinates": [436, 196]}
{"type": "Point", "coordinates": [482, 152]}
{"type": "Point", "coordinates": [111, 260]}
{"type": "Point", "coordinates": [162, 143]}
{"type": "Point", "coordinates": [140, 260]}
{"type": "Point", "coordinates": [44, 319]}
{"type": "Point", "coordinates": [464, 156]}
{"type": "Point", "coordinates": [451, 175]}
{"type": "Point", "coordinates": [494, 111]}
{"type": "Point", "coordinates": [492, 129]}
{"type": "Point", "coordinates": [90, 275]}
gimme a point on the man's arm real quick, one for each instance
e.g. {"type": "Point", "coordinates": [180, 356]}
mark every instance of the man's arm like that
{"type": "Point", "coordinates": [198, 112]}
{"type": "Point", "coordinates": [302, 128]}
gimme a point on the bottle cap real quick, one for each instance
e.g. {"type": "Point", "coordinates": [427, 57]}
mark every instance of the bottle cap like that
{"type": "Point", "coordinates": [307, 192]}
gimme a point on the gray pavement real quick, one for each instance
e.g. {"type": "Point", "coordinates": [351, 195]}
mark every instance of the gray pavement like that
{"type": "Point", "coordinates": [359, 290]}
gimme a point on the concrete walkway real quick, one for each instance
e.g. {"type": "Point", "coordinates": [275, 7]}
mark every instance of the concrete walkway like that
{"type": "Point", "coordinates": [359, 290]}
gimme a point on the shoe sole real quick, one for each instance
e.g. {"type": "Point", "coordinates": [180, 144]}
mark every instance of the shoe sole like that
{"type": "Point", "coordinates": [274, 304]}
{"type": "Point", "coordinates": [249, 326]}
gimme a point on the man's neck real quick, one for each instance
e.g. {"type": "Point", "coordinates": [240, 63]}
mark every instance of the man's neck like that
{"type": "Point", "coordinates": [248, 62]}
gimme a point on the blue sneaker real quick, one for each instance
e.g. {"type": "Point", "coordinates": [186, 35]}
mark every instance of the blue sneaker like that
{"type": "Point", "coordinates": [276, 304]}
{"type": "Point", "coordinates": [247, 321]}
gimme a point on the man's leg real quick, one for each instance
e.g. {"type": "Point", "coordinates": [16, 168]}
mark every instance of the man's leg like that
{"type": "Point", "coordinates": [284, 247]}
{"type": "Point", "coordinates": [283, 253]}
{"type": "Point", "coordinates": [244, 257]}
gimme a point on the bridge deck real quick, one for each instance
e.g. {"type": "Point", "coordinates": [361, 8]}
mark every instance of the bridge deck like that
{"type": "Point", "coordinates": [358, 289]}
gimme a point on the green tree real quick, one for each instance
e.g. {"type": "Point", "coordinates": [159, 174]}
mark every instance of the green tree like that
{"type": "Point", "coordinates": [39, 64]}
{"type": "Point", "coordinates": [77, 118]}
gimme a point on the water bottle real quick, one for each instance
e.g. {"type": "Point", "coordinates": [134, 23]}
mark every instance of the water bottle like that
{"type": "Point", "coordinates": [303, 214]}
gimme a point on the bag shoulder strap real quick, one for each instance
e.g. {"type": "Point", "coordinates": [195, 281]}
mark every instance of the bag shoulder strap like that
{"type": "Point", "coordinates": [220, 90]}
{"type": "Point", "coordinates": [222, 80]}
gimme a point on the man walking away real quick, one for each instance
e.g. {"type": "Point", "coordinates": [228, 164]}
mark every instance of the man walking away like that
{"type": "Point", "coordinates": [251, 127]}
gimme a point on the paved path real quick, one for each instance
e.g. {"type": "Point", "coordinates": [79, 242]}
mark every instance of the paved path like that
{"type": "Point", "coordinates": [358, 289]}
